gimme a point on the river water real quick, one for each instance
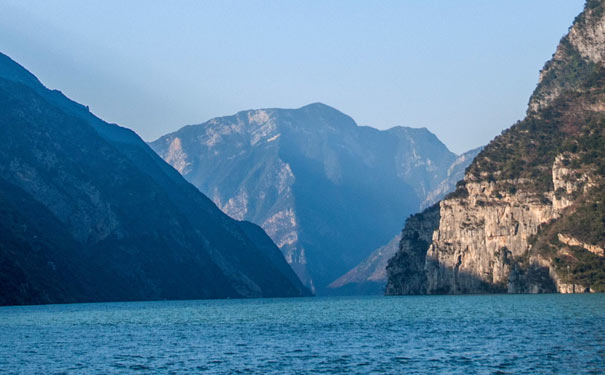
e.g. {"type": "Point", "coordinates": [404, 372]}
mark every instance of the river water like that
{"type": "Point", "coordinates": [487, 334]}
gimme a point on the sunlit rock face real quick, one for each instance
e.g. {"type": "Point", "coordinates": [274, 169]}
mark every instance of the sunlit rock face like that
{"type": "Point", "coordinates": [529, 215]}
{"type": "Point", "coordinates": [580, 51]}
{"type": "Point", "coordinates": [326, 190]}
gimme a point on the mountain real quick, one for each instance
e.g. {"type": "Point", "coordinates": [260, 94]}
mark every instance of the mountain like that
{"type": "Point", "coordinates": [455, 173]}
{"type": "Point", "coordinates": [370, 276]}
{"type": "Point", "coordinates": [529, 215]}
{"type": "Point", "coordinates": [326, 190]}
{"type": "Point", "coordinates": [90, 213]}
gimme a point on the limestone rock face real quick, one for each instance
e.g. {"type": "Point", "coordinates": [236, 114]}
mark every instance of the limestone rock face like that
{"type": "Point", "coordinates": [481, 237]}
{"type": "Point", "coordinates": [570, 241]}
{"type": "Point", "coordinates": [529, 215]}
{"type": "Point", "coordinates": [587, 35]}
{"type": "Point", "coordinates": [578, 53]}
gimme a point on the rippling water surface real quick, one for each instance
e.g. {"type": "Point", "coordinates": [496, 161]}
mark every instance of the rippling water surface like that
{"type": "Point", "coordinates": [513, 334]}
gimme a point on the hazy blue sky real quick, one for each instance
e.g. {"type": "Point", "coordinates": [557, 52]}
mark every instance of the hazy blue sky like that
{"type": "Point", "coordinates": [464, 69]}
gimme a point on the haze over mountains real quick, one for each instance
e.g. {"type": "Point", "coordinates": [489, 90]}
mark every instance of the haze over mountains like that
{"type": "Point", "coordinates": [90, 213]}
{"type": "Point", "coordinates": [326, 190]}
{"type": "Point", "coordinates": [285, 202]}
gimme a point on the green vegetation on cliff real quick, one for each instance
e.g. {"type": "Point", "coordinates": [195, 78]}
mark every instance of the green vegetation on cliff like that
{"type": "Point", "coordinates": [542, 179]}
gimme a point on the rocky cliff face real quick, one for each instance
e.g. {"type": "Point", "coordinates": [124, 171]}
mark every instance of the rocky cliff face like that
{"type": "Point", "coordinates": [370, 276]}
{"type": "Point", "coordinates": [577, 55]}
{"type": "Point", "coordinates": [529, 214]}
{"type": "Point", "coordinates": [90, 213]}
{"type": "Point", "coordinates": [405, 270]}
{"type": "Point", "coordinates": [479, 238]}
{"type": "Point", "coordinates": [326, 190]}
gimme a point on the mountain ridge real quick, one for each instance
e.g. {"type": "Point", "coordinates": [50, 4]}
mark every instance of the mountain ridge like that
{"type": "Point", "coordinates": [311, 177]}
{"type": "Point", "coordinates": [112, 199]}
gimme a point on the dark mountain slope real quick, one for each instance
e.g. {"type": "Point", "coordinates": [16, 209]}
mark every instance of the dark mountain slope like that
{"type": "Point", "coordinates": [37, 255]}
{"type": "Point", "coordinates": [140, 231]}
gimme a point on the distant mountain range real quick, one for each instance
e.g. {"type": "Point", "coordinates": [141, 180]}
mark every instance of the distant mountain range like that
{"type": "Point", "coordinates": [88, 212]}
{"type": "Point", "coordinates": [326, 190]}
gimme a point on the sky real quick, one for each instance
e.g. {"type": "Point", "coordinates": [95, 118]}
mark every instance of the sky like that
{"type": "Point", "coordinates": [463, 69]}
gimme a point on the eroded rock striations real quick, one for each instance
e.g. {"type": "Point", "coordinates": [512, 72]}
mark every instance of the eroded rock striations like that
{"type": "Point", "coordinates": [88, 212]}
{"type": "Point", "coordinates": [326, 190]}
{"type": "Point", "coordinates": [529, 215]}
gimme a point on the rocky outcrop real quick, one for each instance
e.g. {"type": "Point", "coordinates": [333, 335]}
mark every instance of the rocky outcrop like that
{"type": "Point", "coordinates": [483, 235]}
{"type": "Point", "coordinates": [479, 236]}
{"type": "Point", "coordinates": [529, 215]}
{"type": "Point", "coordinates": [570, 241]}
{"type": "Point", "coordinates": [577, 56]}
{"type": "Point", "coordinates": [326, 190]}
{"type": "Point", "coordinates": [406, 270]}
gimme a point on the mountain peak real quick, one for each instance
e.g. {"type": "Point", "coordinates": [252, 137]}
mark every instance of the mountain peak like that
{"type": "Point", "coordinates": [297, 172]}
{"type": "Point", "coordinates": [578, 56]}
{"type": "Point", "coordinates": [319, 106]}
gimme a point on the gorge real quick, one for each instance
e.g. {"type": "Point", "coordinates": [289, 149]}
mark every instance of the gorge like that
{"type": "Point", "coordinates": [326, 190]}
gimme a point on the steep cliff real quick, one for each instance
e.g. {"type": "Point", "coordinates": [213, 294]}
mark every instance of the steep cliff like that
{"type": "Point", "coordinates": [326, 190]}
{"type": "Point", "coordinates": [370, 275]}
{"type": "Point", "coordinates": [405, 270]}
{"type": "Point", "coordinates": [91, 213]}
{"type": "Point", "coordinates": [529, 215]}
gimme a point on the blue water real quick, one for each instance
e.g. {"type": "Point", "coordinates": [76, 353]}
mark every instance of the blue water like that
{"type": "Point", "coordinates": [508, 334]}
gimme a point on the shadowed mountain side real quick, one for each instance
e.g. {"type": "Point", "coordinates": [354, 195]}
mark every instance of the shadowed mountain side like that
{"type": "Point", "coordinates": [34, 240]}
{"type": "Point", "coordinates": [131, 227]}
{"type": "Point", "coordinates": [406, 270]}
